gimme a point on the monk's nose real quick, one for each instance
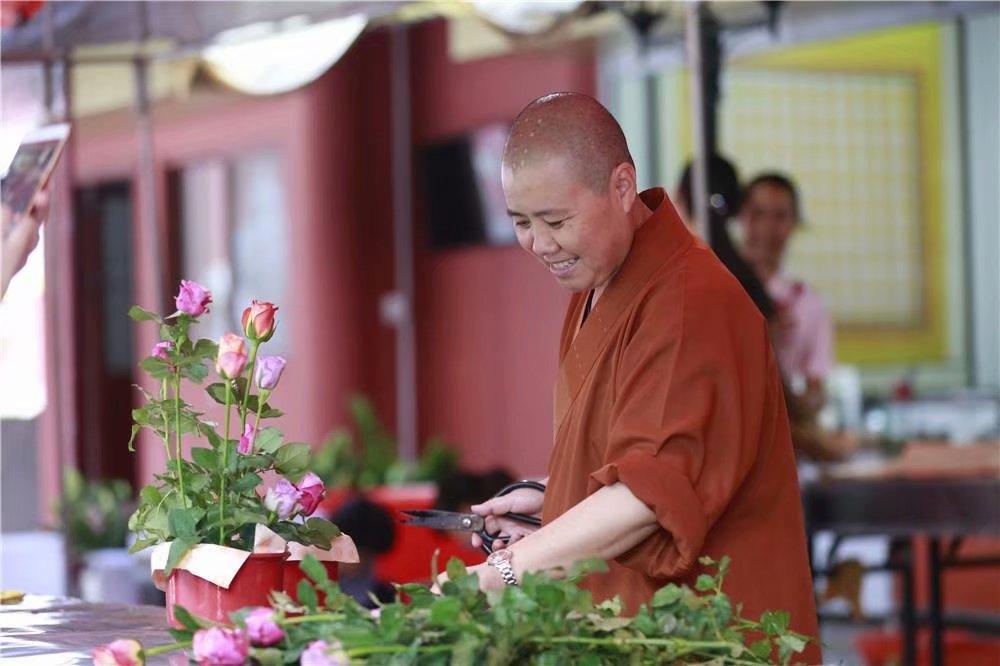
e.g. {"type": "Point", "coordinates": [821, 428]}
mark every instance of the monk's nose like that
{"type": "Point", "coordinates": [542, 244]}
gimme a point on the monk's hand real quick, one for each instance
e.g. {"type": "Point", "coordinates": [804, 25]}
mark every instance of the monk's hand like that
{"type": "Point", "coordinates": [522, 500]}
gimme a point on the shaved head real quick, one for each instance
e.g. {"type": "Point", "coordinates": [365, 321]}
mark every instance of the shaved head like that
{"type": "Point", "coordinates": [574, 128]}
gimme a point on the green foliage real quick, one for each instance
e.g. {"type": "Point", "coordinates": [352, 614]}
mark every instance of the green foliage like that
{"type": "Point", "coordinates": [213, 496]}
{"type": "Point", "coordinates": [94, 514]}
{"type": "Point", "coordinates": [365, 455]}
{"type": "Point", "coordinates": [544, 621]}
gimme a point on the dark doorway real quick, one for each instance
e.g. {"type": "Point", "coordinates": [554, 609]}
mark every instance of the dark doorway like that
{"type": "Point", "coordinates": [105, 348]}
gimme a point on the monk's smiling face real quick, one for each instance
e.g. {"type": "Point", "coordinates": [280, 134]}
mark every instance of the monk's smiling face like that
{"type": "Point", "coordinates": [581, 235]}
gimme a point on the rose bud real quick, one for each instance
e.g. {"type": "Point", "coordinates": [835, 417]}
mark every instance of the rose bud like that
{"type": "Point", "coordinates": [245, 447]}
{"type": "Point", "coordinates": [232, 356]}
{"type": "Point", "coordinates": [258, 320]}
{"type": "Point", "coordinates": [283, 498]}
{"type": "Point", "coordinates": [312, 489]}
{"type": "Point", "coordinates": [269, 369]}
{"type": "Point", "coordinates": [126, 652]}
{"type": "Point", "coordinates": [262, 630]}
{"type": "Point", "coordinates": [217, 646]}
{"type": "Point", "coordinates": [321, 653]}
{"type": "Point", "coordinates": [193, 298]}
{"type": "Point", "coordinates": [161, 350]}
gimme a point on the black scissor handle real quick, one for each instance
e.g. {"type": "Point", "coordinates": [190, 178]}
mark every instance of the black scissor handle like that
{"type": "Point", "coordinates": [487, 538]}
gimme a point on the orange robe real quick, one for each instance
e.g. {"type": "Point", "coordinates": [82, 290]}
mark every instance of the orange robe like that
{"type": "Point", "coordinates": [670, 387]}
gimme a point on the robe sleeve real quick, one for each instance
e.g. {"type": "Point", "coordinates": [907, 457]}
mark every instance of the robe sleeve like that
{"type": "Point", "coordinates": [690, 387]}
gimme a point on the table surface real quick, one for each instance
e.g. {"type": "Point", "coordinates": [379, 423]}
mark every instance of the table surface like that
{"type": "Point", "coordinates": [44, 631]}
{"type": "Point", "coordinates": [904, 507]}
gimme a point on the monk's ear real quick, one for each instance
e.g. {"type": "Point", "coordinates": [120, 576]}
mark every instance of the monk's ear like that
{"type": "Point", "coordinates": [623, 185]}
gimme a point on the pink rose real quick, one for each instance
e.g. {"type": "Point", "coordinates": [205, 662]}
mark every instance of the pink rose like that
{"type": "Point", "coordinates": [262, 629]}
{"type": "Point", "coordinates": [321, 653]}
{"type": "Point", "coordinates": [269, 369]}
{"type": "Point", "coordinates": [246, 444]}
{"type": "Point", "coordinates": [193, 298]}
{"type": "Point", "coordinates": [283, 498]}
{"type": "Point", "coordinates": [232, 356]}
{"type": "Point", "coordinates": [161, 350]}
{"type": "Point", "coordinates": [217, 646]}
{"type": "Point", "coordinates": [312, 489]}
{"type": "Point", "coordinates": [258, 320]}
{"type": "Point", "coordinates": [119, 653]}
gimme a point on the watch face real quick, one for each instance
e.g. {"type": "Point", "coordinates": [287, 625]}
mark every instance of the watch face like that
{"type": "Point", "coordinates": [502, 555]}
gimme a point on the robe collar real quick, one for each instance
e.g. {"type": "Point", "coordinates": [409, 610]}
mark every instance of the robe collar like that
{"type": "Point", "coordinates": [660, 239]}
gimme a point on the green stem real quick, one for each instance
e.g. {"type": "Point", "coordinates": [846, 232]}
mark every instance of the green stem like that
{"type": "Point", "coordinates": [678, 643]}
{"type": "Point", "coordinates": [246, 395]}
{"type": "Point", "coordinates": [177, 434]}
{"type": "Point", "coordinates": [222, 471]}
{"type": "Point", "coordinates": [375, 649]}
{"type": "Point", "coordinates": [166, 420]}
{"type": "Point", "coordinates": [160, 649]}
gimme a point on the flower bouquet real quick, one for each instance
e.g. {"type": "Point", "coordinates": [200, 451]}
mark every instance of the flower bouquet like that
{"type": "Point", "coordinates": [545, 620]}
{"type": "Point", "coordinates": [220, 543]}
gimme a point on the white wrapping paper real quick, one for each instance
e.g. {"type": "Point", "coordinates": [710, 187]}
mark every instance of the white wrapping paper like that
{"type": "Point", "coordinates": [220, 564]}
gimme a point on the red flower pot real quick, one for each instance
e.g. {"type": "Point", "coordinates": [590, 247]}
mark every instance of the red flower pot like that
{"type": "Point", "coordinates": [294, 574]}
{"type": "Point", "coordinates": [257, 578]}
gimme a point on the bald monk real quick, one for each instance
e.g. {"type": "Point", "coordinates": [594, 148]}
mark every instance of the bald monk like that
{"type": "Point", "coordinates": [671, 437]}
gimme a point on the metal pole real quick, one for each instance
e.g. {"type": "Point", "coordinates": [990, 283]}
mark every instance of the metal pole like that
{"type": "Point", "coordinates": [402, 196]}
{"type": "Point", "coordinates": [147, 166]}
{"type": "Point", "coordinates": [699, 157]}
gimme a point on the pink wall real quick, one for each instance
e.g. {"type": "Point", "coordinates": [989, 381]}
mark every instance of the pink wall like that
{"type": "Point", "coordinates": [488, 318]}
{"type": "Point", "coordinates": [310, 129]}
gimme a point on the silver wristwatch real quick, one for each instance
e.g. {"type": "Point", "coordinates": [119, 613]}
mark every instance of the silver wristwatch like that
{"type": "Point", "coordinates": [500, 560]}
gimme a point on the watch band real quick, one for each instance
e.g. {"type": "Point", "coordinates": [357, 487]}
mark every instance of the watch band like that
{"type": "Point", "coordinates": [500, 560]}
{"type": "Point", "coordinates": [506, 572]}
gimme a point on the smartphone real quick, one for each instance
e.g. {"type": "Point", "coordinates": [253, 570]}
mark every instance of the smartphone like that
{"type": "Point", "coordinates": [32, 165]}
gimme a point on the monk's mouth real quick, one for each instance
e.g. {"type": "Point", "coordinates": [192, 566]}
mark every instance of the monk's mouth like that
{"type": "Point", "coordinates": [561, 268]}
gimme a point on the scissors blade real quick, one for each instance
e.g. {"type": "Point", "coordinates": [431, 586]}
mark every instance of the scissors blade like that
{"type": "Point", "coordinates": [443, 520]}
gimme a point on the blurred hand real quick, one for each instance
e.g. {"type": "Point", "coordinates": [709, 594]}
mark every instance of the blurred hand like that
{"type": "Point", "coordinates": [20, 236]}
{"type": "Point", "coordinates": [522, 500]}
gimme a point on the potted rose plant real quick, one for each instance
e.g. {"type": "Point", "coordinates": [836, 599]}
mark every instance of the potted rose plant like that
{"type": "Point", "coordinates": [206, 512]}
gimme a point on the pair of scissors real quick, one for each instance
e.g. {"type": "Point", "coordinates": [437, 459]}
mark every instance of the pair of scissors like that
{"type": "Point", "coordinates": [470, 522]}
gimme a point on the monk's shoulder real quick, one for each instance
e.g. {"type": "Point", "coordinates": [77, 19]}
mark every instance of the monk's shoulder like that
{"type": "Point", "coordinates": [696, 287]}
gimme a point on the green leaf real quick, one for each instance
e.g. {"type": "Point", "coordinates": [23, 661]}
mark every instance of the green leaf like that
{"type": "Point", "coordinates": [178, 548]}
{"type": "Point", "coordinates": [704, 583]}
{"type": "Point", "coordinates": [445, 611]}
{"type": "Point", "coordinates": [182, 524]}
{"type": "Point", "coordinates": [142, 544]}
{"type": "Point", "coordinates": [292, 458]}
{"type": "Point", "coordinates": [306, 594]}
{"type": "Point", "coordinates": [311, 567]}
{"type": "Point", "coordinates": [196, 372]}
{"type": "Point", "coordinates": [322, 527]}
{"type": "Point", "coordinates": [205, 348]}
{"type": "Point", "coordinates": [204, 457]}
{"type": "Point", "coordinates": [666, 595]}
{"type": "Point", "coordinates": [131, 440]}
{"type": "Point", "coordinates": [789, 644]}
{"type": "Point", "coordinates": [139, 314]}
{"type": "Point", "coordinates": [181, 635]}
{"type": "Point", "coordinates": [269, 440]}
{"type": "Point", "coordinates": [217, 392]}
{"type": "Point", "coordinates": [188, 620]}
{"type": "Point", "coordinates": [456, 569]}
{"type": "Point", "coordinates": [156, 367]}
{"type": "Point", "coordinates": [761, 649]}
{"type": "Point", "coordinates": [773, 623]}
{"type": "Point", "coordinates": [267, 656]}
{"type": "Point", "coordinates": [246, 483]}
